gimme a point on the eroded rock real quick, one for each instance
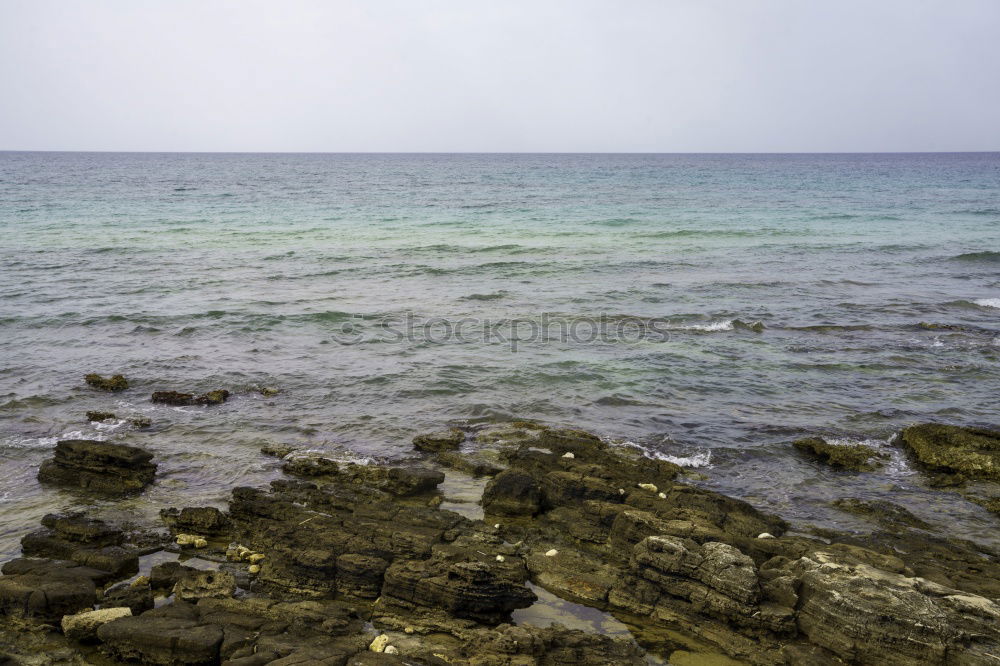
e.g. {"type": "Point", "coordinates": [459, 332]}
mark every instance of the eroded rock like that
{"type": "Point", "coordinates": [113, 383]}
{"type": "Point", "coordinates": [857, 457]}
{"type": "Point", "coordinates": [178, 399]}
{"type": "Point", "coordinates": [972, 452]}
{"type": "Point", "coordinates": [98, 466]}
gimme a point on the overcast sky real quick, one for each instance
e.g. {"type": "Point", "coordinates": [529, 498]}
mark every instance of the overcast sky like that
{"type": "Point", "coordinates": [500, 75]}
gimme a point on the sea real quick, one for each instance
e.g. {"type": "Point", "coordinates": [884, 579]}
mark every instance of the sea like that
{"type": "Point", "coordinates": [710, 308]}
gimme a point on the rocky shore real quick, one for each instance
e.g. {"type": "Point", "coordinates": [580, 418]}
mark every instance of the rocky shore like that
{"type": "Point", "coordinates": [369, 564]}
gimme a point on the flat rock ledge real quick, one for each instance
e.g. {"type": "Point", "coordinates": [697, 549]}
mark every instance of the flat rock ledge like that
{"type": "Point", "coordinates": [100, 467]}
{"type": "Point", "coordinates": [359, 565]}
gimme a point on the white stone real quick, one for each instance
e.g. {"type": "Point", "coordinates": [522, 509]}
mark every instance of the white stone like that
{"type": "Point", "coordinates": [765, 535]}
{"type": "Point", "coordinates": [663, 496]}
{"type": "Point", "coordinates": [621, 491]}
{"type": "Point", "coordinates": [497, 526]}
{"type": "Point", "coordinates": [379, 644]}
{"type": "Point", "coordinates": [84, 625]}
{"type": "Point", "coordinates": [499, 558]}
{"type": "Point", "coordinates": [649, 486]}
{"type": "Point", "coordinates": [551, 553]}
{"type": "Point", "coordinates": [391, 649]}
{"type": "Point", "coordinates": [568, 454]}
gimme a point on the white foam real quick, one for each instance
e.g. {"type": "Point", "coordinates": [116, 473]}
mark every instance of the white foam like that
{"type": "Point", "coordinates": [699, 459]}
{"type": "Point", "coordinates": [49, 442]}
{"type": "Point", "coordinates": [988, 302]}
{"type": "Point", "coordinates": [726, 325]}
{"type": "Point", "coordinates": [895, 464]}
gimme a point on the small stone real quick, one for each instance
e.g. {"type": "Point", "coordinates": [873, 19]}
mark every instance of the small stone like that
{"type": "Point", "coordinates": [551, 553]}
{"type": "Point", "coordinates": [256, 557]}
{"type": "Point", "coordinates": [662, 496]}
{"type": "Point", "coordinates": [496, 526]}
{"type": "Point", "coordinates": [254, 569]}
{"type": "Point", "coordinates": [269, 391]}
{"type": "Point", "coordinates": [499, 558]}
{"type": "Point", "coordinates": [569, 454]}
{"type": "Point", "coordinates": [408, 630]}
{"type": "Point", "coordinates": [191, 540]}
{"type": "Point", "coordinates": [765, 535]}
{"type": "Point", "coordinates": [391, 649]}
{"type": "Point", "coordinates": [141, 581]}
{"type": "Point", "coordinates": [649, 486]}
{"type": "Point", "coordinates": [379, 644]}
{"type": "Point", "coordinates": [100, 416]}
{"type": "Point", "coordinates": [621, 491]}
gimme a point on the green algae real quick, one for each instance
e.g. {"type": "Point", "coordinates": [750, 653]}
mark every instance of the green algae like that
{"type": "Point", "coordinates": [972, 452]}
{"type": "Point", "coordinates": [857, 457]}
{"type": "Point", "coordinates": [114, 383]}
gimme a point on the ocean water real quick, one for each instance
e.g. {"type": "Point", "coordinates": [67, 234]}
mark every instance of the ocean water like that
{"type": "Point", "coordinates": [739, 302]}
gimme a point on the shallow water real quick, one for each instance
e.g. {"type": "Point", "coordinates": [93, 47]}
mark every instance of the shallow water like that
{"type": "Point", "coordinates": [188, 271]}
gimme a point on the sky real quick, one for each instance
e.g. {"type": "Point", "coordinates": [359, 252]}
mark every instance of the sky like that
{"type": "Point", "coordinates": [500, 76]}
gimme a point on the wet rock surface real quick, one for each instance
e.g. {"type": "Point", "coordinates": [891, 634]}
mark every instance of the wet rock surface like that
{"type": "Point", "coordinates": [972, 452]}
{"type": "Point", "coordinates": [178, 399]}
{"type": "Point", "coordinates": [857, 457]}
{"type": "Point", "coordinates": [445, 440]}
{"type": "Point", "coordinates": [97, 466]}
{"type": "Point", "coordinates": [113, 383]}
{"type": "Point", "coordinates": [360, 564]}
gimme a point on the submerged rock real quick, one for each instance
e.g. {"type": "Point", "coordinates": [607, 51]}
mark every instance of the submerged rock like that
{"type": "Point", "coordinates": [444, 440]}
{"type": "Point", "coordinates": [199, 520]}
{"type": "Point", "coordinates": [973, 452]}
{"type": "Point", "coordinates": [140, 422]}
{"type": "Point", "coordinates": [883, 512]}
{"type": "Point", "coordinates": [114, 383]}
{"type": "Point", "coordinates": [186, 399]}
{"type": "Point", "coordinates": [100, 416]}
{"type": "Point", "coordinates": [857, 457]}
{"type": "Point", "coordinates": [98, 466]}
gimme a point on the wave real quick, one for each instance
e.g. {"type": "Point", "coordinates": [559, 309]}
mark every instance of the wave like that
{"type": "Point", "coordinates": [978, 211]}
{"type": "Point", "coordinates": [831, 328]}
{"type": "Point", "coordinates": [975, 304]}
{"type": "Point", "coordinates": [721, 325]}
{"type": "Point", "coordinates": [984, 256]}
{"type": "Point", "coordinates": [616, 222]}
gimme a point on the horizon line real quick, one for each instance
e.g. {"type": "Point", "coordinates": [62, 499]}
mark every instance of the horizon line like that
{"type": "Point", "coordinates": [508, 152]}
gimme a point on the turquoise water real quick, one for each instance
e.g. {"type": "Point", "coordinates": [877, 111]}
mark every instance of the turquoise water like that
{"type": "Point", "coordinates": [777, 295]}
